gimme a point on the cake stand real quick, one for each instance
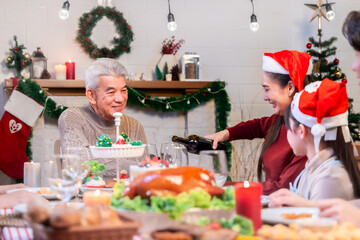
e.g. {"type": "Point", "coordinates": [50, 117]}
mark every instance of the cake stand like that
{"type": "Point", "coordinates": [118, 152]}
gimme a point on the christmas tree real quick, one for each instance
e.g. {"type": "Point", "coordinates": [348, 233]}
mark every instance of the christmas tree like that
{"type": "Point", "coordinates": [321, 51]}
{"type": "Point", "coordinates": [17, 59]}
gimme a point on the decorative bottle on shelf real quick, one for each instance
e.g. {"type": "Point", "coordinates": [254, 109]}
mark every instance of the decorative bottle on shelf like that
{"type": "Point", "coordinates": [195, 144]}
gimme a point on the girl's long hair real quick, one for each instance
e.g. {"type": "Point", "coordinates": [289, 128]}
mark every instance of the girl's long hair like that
{"type": "Point", "coordinates": [343, 150]}
{"type": "Point", "coordinates": [274, 130]}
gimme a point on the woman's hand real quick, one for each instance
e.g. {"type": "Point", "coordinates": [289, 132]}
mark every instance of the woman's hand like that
{"type": "Point", "coordinates": [285, 198]}
{"type": "Point", "coordinates": [339, 209]}
{"type": "Point", "coordinates": [218, 137]}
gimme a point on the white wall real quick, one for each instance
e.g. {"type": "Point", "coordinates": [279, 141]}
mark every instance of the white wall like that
{"type": "Point", "coordinates": [218, 30]}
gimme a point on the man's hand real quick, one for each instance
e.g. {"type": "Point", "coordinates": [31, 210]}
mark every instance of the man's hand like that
{"type": "Point", "coordinates": [5, 188]}
{"type": "Point", "coordinates": [340, 210]}
{"type": "Point", "coordinates": [218, 137]}
{"type": "Point", "coordinates": [285, 198]}
{"type": "Point", "coordinates": [18, 197]}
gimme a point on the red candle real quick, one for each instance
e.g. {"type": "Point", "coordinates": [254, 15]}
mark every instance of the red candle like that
{"type": "Point", "coordinates": [70, 70]}
{"type": "Point", "coordinates": [248, 201]}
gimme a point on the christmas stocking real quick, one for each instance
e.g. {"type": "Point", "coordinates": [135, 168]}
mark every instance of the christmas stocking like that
{"type": "Point", "coordinates": [20, 115]}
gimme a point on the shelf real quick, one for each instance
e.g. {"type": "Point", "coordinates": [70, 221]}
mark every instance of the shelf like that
{"type": "Point", "coordinates": [154, 88]}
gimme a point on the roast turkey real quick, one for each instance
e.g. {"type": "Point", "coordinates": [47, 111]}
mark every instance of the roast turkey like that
{"type": "Point", "coordinates": [172, 181]}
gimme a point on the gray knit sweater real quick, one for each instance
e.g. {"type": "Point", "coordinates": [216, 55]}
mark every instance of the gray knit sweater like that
{"type": "Point", "coordinates": [82, 127]}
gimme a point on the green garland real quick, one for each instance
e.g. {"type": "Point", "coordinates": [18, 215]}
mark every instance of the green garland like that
{"type": "Point", "coordinates": [88, 21]}
{"type": "Point", "coordinates": [216, 90]}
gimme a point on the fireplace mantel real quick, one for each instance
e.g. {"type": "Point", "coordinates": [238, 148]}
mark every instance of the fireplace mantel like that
{"type": "Point", "coordinates": [155, 88]}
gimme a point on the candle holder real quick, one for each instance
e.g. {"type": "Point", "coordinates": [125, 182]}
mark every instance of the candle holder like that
{"type": "Point", "coordinates": [39, 64]}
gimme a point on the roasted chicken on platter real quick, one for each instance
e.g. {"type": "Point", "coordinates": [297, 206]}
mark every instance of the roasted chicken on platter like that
{"type": "Point", "coordinates": [172, 181]}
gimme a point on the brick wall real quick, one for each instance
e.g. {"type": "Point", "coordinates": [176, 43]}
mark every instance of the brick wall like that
{"type": "Point", "coordinates": [218, 30]}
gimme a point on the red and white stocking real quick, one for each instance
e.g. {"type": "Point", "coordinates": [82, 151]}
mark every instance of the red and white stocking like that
{"type": "Point", "coordinates": [20, 115]}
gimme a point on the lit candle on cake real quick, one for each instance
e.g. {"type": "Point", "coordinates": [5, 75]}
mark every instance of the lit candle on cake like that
{"type": "Point", "coordinates": [32, 174]}
{"type": "Point", "coordinates": [60, 72]}
{"type": "Point", "coordinates": [248, 201]}
{"type": "Point", "coordinates": [70, 69]}
{"type": "Point", "coordinates": [96, 197]}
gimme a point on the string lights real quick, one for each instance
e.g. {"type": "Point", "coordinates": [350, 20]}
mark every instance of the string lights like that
{"type": "Point", "coordinates": [171, 20]}
{"type": "Point", "coordinates": [330, 14]}
{"type": "Point", "coordinates": [254, 25]}
{"type": "Point", "coordinates": [64, 11]}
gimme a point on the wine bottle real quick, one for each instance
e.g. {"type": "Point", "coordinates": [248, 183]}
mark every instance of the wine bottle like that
{"type": "Point", "coordinates": [195, 144]}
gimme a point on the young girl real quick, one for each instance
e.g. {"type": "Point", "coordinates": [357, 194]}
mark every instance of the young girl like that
{"type": "Point", "coordinates": [317, 123]}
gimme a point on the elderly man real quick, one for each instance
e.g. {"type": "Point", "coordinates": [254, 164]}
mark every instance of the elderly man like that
{"type": "Point", "coordinates": [107, 93]}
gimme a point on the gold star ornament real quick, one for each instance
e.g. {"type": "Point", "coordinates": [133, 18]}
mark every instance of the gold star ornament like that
{"type": "Point", "coordinates": [318, 11]}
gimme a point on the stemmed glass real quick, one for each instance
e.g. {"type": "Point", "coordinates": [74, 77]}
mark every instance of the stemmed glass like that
{"type": "Point", "coordinates": [176, 155]}
{"type": "Point", "coordinates": [79, 166]}
{"type": "Point", "coordinates": [215, 161]}
{"type": "Point", "coordinates": [62, 177]}
{"type": "Point", "coordinates": [152, 150]}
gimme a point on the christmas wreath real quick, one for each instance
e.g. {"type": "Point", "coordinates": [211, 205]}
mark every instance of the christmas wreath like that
{"type": "Point", "coordinates": [88, 21]}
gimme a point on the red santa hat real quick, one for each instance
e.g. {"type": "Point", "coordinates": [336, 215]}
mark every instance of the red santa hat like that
{"type": "Point", "coordinates": [323, 106]}
{"type": "Point", "coordinates": [296, 64]}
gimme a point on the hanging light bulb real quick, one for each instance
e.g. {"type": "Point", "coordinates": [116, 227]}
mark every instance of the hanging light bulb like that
{"type": "Point", "coordinates": [171, 20]}
{"type": "Point", "coordinates": [64, 11]}
{"type": "Point", "coordinates": [330, 14]}
{"type": "Point", "coordinates": [254, 25]}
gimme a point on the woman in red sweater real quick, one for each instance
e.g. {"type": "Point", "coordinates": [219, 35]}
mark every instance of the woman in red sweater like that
{"type": "Point", "coordinates": [284, 74]}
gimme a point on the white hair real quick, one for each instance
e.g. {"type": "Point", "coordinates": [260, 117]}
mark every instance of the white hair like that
{"type": "Point", "coordinates": [103, 67]}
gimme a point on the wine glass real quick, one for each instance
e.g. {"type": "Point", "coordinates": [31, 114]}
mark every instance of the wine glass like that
{"type": "Point", "coordinates": [163, 148]}
{"type": "Point", "coordinates": [61, 178]}
{"type": "Point", "coordinates": [79, 166]}
{"type": "Point", "coordinates": [152, 150]}
{"type": "Point", "coordinates": [215, 161]}
{"type": "Point", "coordinates": [176, 155]}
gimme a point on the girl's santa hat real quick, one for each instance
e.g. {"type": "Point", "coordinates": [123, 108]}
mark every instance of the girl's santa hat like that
{"type": "Point", "coordinates": [296, 64]}
{"type": "Point", "coordinates": [323, 106]}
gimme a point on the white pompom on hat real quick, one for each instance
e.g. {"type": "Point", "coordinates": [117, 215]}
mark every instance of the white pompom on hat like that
{"type": "Point", "coordinates": [296, 64]}
{"type": "Point", "coordinates": [323, 106]}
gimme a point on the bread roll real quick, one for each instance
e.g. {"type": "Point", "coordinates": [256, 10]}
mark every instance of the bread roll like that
{"type": "Point", "coordinates": [90, 216]}
{"type": "Point", "coordinates": [108, 215]}
{"type": "Point", "coordinates": [63, 216]}
{"type": "Point", "coordinates": [38, 209]}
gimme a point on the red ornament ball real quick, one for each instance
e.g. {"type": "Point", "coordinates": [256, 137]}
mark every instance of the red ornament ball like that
{"type": "Point", "coordinates": [89, 46]}
{"type": "Point", "coordinates": [309, 45]}
{"type": "Point", "coordinates": [22, 63]}
{"type": "Point", "coordinates": [128, 27]}
{"type": "Point", "coordinates": [124, 47]}
{"type": "Point", "coordinates": [326, 61]}
{"type": "Point", "coordinates": [336, 61]}
{"type": "Point", "coordinates": [344, 80]}
{"type": "Point", "coordinates": [16, 49]}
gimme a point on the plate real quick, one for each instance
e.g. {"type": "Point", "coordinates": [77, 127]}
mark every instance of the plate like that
{"type": "Point", "coordinates": [86, 189]}
{"type": "Point", "coordinates": [23, 207]}
{"type": "Point", "coordinates": [35, 190]}
{"type": "Point", "coordinates": [274, 215]}
{"type": "Point", "coordinates": [117, 151]}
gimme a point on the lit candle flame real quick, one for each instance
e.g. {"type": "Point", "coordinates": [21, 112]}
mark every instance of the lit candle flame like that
{"type": "Point", "coordinates": [97, 193]}
{"type": "Point", "coordinates": [69, 60]}
{"type": "Point", "coordinates": [246, 184]}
